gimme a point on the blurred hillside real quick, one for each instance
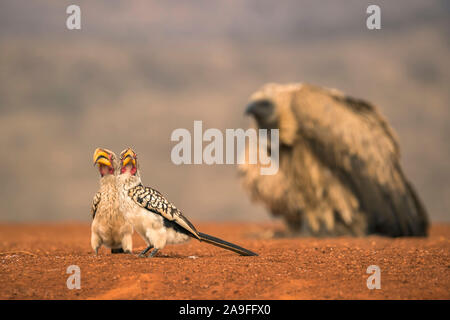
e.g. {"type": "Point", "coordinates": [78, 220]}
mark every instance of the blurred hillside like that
{"type": "Point", "coordinates": [140, 69]}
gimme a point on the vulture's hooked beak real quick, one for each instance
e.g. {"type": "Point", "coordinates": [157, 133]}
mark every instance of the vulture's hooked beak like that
{"type": "Point", "coordinates": [263, 111]}
{"type": "Point", "coordinates": [260, 109]}
{"type": "Point", "coordinates": [250, 109]}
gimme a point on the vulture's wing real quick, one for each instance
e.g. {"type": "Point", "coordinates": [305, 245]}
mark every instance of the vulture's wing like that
{"type": "Point", "coordinates": [95, 203]}
{"type": "Point", "coordinates": [351, 137]}
{"type": "Point", "coordinates": [152, 200]}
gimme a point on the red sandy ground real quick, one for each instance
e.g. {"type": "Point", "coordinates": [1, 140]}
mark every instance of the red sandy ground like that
{"type": "Point", "coordinates": [34, 259]}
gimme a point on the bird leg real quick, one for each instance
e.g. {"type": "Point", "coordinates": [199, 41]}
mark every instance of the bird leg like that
{"type": "Point", "coordinates": [119, 250]}
{"type": "Point", "coordinates": [142, 254]}
{"type": "Point", "coordinates": [152, 254]}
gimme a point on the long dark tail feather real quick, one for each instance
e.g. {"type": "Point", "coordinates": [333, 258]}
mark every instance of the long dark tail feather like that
{"type": "Point", "coordinates": [225, 245]}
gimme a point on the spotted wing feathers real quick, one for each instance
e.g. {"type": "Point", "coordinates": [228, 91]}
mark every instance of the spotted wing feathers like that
{"type": "Point", "coordinates": [154, 201]}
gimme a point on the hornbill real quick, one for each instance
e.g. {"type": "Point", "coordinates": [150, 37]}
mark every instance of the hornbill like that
{"type": "Point", "coordinates": [109, 226]}
{"type": "Point", "coordinates": [157, 220]}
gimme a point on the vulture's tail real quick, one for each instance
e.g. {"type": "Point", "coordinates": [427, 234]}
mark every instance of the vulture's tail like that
{"type": "Point", "coordinates": [422, 223]}
{"type": "Point", "coordinates": [224, 244]}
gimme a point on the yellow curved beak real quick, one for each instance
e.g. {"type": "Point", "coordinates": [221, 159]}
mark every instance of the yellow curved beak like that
{"type": "Point", "coordinates": [102, 157]}
{"type": "Point", "coordinates": [128, 156]}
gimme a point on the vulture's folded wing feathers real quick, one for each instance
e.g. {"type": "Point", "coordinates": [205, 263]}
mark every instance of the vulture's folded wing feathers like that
{"type": "Point", "coordinates": [353, 140]}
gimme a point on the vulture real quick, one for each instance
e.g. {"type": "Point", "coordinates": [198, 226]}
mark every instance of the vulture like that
{"type": "Point", "coordinates": [339, 165]}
